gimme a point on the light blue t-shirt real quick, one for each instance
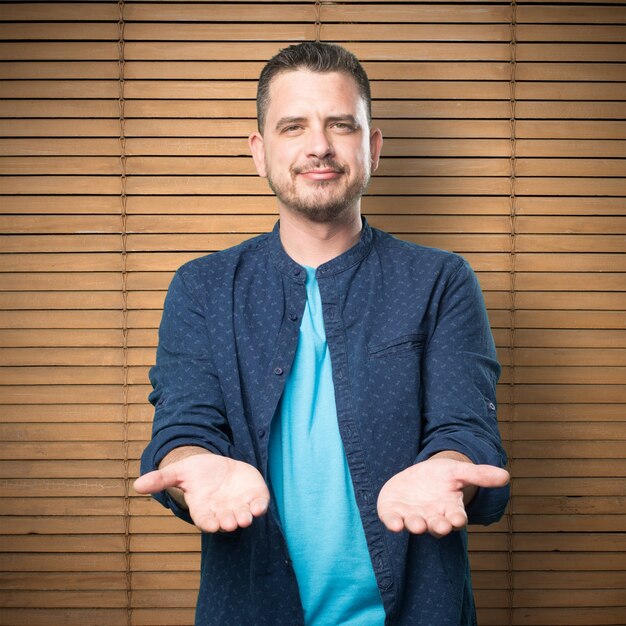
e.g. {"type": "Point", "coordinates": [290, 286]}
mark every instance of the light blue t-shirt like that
{"type": "Point", "coordinates": [313, 491]}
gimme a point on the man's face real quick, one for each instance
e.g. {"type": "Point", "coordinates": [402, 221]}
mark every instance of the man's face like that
{"type": "Point", "coordinates": [317, 150]}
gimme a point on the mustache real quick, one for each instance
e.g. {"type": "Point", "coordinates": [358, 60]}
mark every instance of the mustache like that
{"type": "Point", "coordinates": [327, 164]}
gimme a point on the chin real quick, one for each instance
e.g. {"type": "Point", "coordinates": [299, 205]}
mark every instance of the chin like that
{"type": "Point", "coordinates": [324, 212]}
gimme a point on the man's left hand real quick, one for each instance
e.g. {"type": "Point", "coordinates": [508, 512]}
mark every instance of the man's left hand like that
{"type": "Point", "coordinates": [429, 496]}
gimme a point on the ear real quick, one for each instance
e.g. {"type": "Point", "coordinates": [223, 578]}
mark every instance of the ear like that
{"type": "Point", "coordinates": [376, 145]}
{"type": "Point", "coordinates": [257, 148]}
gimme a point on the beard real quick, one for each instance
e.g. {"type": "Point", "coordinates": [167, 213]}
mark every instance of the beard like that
{"type": "Point", "coordinates": [324, 201]}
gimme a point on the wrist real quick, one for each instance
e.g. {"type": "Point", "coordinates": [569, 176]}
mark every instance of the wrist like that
{"type": "Point", "coordinates": [178, 454]}
{"type": "Point", "coordinates": [469, 491]}
{"type": "Point", "coordinates": [453, 455]}
{"type": "Point", "coordinates": [175, 455]}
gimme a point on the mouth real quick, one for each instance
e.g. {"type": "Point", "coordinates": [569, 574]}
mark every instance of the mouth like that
{"type": "Point", "coordinates": [320, 171]}
{"type": "Point", "coordinates": [321, 174]}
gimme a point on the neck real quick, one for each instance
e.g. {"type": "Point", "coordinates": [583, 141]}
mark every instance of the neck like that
{"type": "Point", "coordinates": [312, 244]}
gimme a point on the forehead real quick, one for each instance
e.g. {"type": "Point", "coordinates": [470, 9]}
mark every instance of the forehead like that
{"type": "Point", "coordinates": [305, 92]}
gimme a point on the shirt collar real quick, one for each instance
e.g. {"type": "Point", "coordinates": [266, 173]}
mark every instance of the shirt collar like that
{"type": "Point", "coordinates": [340, 263]}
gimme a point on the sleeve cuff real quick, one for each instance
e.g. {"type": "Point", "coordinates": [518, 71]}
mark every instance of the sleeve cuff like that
{"type": "Point", "coordinates": [489, 504]}
{"type": "Point", "coordinates": [159, 448]}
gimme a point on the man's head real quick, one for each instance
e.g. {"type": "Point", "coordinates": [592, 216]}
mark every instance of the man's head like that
{"type": "Point", "coordinates": [317, 57]}
{"type": "Point", "coordinates": [315, 145]}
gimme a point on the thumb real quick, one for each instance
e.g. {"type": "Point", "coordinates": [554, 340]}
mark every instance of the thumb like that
{"type": "Point", "coordinates": [482, 475]}
{"type": "Point", "coordinates": [156, 481]}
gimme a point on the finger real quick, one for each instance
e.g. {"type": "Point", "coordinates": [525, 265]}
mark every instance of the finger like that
{"type": "Point", "coordinates": [439, 526]}
{"type": "Point", "coordinates": [243, 516]}
{"type": "Point", "coordinates": [458, 518]}
{"type": "Point", "coordinates": [393, 521]}
{"type": "Point", "coordinates": [143, 484]}
{"type": "Point", "coordinates": [156, 481]}
{"type": "Point", "coordinates": [482, 475]}
{"type": "Point", "coordinates": [259, 506]}
{"type": "Point", "coordinates": [227, 520]}
{"type": "Point", "coordinates": [204, 519]}
{"type": "Point", "coordinates": [416, 524]}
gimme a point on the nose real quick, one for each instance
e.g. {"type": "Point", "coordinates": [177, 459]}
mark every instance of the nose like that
{"type": "Point", "coordinates": [318, 143]}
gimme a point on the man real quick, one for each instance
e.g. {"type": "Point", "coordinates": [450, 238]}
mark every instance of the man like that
{"type": "Point", "coordinates": [325, 393]}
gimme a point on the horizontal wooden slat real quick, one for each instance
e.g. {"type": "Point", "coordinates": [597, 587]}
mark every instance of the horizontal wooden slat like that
{"type": "Point", "coordinates": [564, 449]}
{"type": "Point", "coordinates": [567, 205]}
{"type": "Point", "coordinates": [62, 469]}
{"type": "Point", "coordinates": [61, 413]}
{"type": "Point", "coordinates": [569, 357]}
{"type": "Point", "coordinates": [57, 11]}
{"type": "Point", "coordinates": [590, 282]}
{"type": "Point", "coordinates": [61, 320]}
{"type": "Point", "coordinates": [60, 599]}
{"type": "Point", "coordinates": [348, 12]}
{"type": "Point", "coordinates": [67, 50]}
{"type": "Point", "coordinates": [69, 617]}
{"type": "Point", "coordinates": [62, 581]}
{"type": "Point", "coordinates": [336, 32]}
{"type": "Point", "coordinates": [105, 562]}
{"type": "Point", "coordinates": [571, 300]}
{"type": "Point", "coordinates": [573, 15]}
{"type": "Point", "coordinates": [73, 338]}
{"type": "Point", "coordinates": [86, 31]}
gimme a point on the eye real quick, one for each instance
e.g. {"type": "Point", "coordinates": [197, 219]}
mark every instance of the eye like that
{"type": "Point", "coordinates": [344, 127]}
{"type": "Point", "coordinates": [293, 128]}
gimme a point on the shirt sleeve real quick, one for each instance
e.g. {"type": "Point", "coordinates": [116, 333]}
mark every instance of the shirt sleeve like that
{"type": "Point", "coordinates": [189, 408]}
{"type": "Point", "coordinates": [460, 372]}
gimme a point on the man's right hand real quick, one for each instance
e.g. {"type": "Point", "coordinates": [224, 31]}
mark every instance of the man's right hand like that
{"type": "Point", "coordinates": [221, 494]}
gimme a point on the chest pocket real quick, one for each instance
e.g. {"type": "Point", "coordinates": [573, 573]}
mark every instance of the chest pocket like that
{"type": "Point", "coordinates": [404, 345]}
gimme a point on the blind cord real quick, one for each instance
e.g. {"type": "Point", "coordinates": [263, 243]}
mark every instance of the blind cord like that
{"type": "Point", "coordinates": [318, 21]}
{"type": "Point", "coordinates": [512, 307]}
{"type": "Point", "coordinates": [124, 276]}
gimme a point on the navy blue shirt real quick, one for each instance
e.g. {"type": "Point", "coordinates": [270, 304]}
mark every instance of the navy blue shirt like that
{"type": "Point", "coordinates": [414, 371]}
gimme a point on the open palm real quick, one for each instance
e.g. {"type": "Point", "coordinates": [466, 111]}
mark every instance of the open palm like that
{"type": "Point", "coordinates": [221, 493]}
{"type": "Point", "coordinates": [428, 496]}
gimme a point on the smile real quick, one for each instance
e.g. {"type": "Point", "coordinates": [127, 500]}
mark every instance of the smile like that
{"type": "Point", "coordinates": [325, 174]}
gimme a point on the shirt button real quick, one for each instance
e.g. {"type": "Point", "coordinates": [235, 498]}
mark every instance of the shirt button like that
{"type": "Point", "coordinates": [492, 406]}
{"type": "Point", "coordinates": [261, 432]}
{"type": "Point", "coordinates": [293, 317]}
{"type": "Point", "coordinates": [278, 371]}
{"type": "Point", "coordinates": [296, 271]}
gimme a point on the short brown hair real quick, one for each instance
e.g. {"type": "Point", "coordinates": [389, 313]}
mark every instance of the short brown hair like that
{"type": "Point", "coordinates": [317, 57]}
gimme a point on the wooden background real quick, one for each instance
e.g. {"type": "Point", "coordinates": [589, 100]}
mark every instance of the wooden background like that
{"type": "Point", "coordinates": [124, 154]}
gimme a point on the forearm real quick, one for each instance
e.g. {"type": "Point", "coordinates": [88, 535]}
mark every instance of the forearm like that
{"type": "Point", "coordinates": [178, 454]}
{"type": "Point", "coordinates": [470, 490]}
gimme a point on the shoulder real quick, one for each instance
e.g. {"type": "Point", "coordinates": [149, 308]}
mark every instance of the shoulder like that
{"type": "Point", "coordinates": [208, 269]}
{"type": "Point", "coordinates": [409, 255]}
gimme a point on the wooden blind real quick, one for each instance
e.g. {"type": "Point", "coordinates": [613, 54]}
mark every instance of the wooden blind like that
{"type": "Point", "coordinates": [123, 154]}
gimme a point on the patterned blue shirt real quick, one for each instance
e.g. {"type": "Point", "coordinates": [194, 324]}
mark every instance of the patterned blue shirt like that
{"type": "Point", "coordinates": [414, 372]}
